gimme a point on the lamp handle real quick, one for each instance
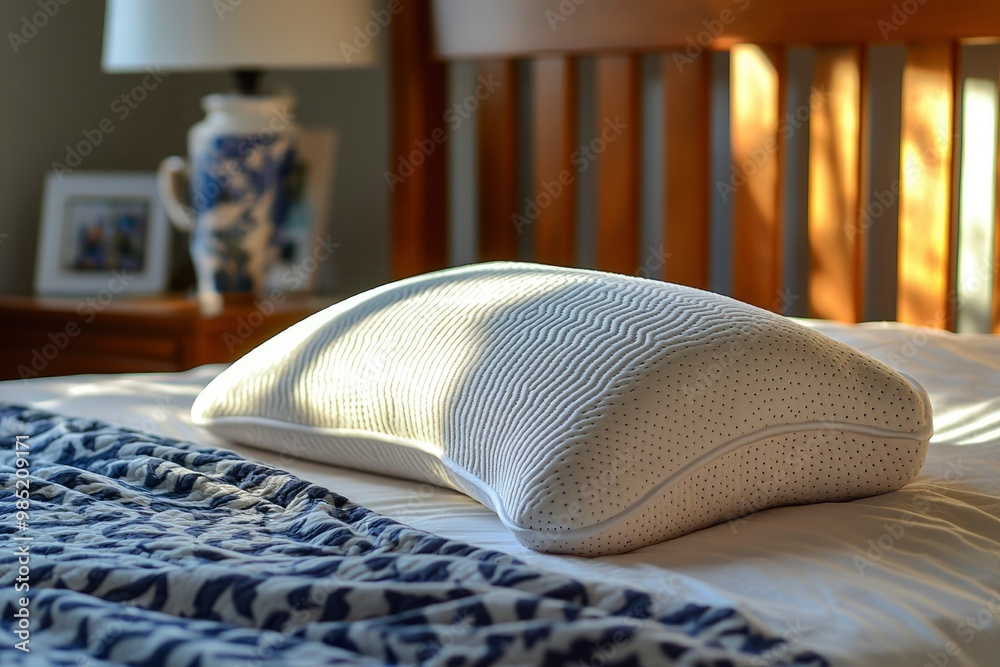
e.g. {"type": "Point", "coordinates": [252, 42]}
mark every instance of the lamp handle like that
{"type": "Point", "coordinates": [172, 179]}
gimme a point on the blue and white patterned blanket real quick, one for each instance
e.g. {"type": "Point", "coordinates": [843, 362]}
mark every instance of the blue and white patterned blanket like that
{"type": "Point", "coordinates": [140, 550]}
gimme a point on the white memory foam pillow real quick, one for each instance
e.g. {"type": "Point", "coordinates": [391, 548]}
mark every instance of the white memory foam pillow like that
{"type": "Point", "coordinates": [594, 413]}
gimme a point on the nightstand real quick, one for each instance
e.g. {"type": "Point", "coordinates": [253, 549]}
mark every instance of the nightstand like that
{"type": "Point", "coordinates": [68, 336]}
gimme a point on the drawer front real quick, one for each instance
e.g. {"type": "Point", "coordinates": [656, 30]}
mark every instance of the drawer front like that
{"type": "Point", "coordinates": [39, 352]}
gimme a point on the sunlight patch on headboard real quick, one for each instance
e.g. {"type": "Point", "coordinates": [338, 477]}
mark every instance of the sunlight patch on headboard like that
{"type": "Point", "coordinates": [977, 193]}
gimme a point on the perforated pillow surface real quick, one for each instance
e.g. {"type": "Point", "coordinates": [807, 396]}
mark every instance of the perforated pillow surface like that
{"type": "Point", "coordinates": [594, 413]}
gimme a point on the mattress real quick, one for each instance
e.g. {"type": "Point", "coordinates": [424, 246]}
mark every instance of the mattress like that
{"type": "Point", "coordinates": [907, 578]}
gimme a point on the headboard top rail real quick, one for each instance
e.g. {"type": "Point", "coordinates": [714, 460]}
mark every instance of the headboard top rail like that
{"type": "Point", "coordinates": [514, 28]}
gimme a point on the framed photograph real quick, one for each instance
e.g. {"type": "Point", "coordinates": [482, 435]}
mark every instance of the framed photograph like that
{"type": "Point", "coordinates": [101, 231]}
{"type": "Point", "coordinates": [295, 268]}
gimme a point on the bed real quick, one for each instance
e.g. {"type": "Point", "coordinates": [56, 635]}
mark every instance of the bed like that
{"type": "Point", "coordinates": [880, 207]}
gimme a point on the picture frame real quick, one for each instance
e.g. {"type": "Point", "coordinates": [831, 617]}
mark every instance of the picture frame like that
{"type": "Point", "coordinates": [102, 231]}
{"type": "Point", "coordinates": [294, 268]}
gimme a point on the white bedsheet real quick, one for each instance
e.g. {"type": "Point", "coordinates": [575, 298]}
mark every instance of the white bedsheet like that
{"type": "Point", "coordinates": [907, 579]}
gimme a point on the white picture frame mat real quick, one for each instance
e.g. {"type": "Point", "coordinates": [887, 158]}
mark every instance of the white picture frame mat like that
{"type": "Point", "coordinates": [51, 276]}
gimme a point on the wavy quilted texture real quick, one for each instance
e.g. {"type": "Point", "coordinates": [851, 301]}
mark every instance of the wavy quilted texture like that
{"type": "Point", "coordinates": [595, 413]}
{"type": "Point", "coordinates": [147, 551]}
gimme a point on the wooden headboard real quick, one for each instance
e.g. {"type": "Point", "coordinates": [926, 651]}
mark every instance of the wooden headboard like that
{"type": "Point", "coordinates": [830, 159]}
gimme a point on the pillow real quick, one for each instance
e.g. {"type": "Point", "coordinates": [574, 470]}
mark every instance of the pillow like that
{"type": "Point", "coordinates": [594, 413]}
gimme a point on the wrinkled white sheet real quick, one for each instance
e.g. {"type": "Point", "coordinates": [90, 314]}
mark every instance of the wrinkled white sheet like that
{"type": "Point", "coordinates": [907, 579]}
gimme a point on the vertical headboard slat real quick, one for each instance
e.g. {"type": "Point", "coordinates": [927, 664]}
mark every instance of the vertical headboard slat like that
{"type": "Point", "coordinates": [498, 159]}
{"type": "Point", "coordinates": [996, 270]}
{"type": "Point", "coordinates": [417, 170]}
{"type": "Point", "coordinates": [976, 112]}
{"type": "Point", "coordinates": [757, 98]}
{"type": "Point", "coordinates": [554, 130]}
{"type": "Point", "coordinates": [614, 152]}
{"type": "Point", "coordinates": [926, 224]}
{"type": "Point", "coordinates": [686, 84]}
{"type": "Point", "coordinates": [835, 238]}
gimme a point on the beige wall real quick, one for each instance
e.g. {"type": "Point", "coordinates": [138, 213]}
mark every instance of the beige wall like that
{"type": "Point", "coordinates": [53, 89]}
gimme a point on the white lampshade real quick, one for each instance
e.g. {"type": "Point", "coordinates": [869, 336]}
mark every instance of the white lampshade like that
{"type": "Point", "coordinates": [237, 34]}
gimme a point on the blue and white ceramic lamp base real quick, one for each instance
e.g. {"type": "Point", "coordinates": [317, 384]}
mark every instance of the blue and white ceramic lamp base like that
{"type": "Point", "coordinates": [243, 156]}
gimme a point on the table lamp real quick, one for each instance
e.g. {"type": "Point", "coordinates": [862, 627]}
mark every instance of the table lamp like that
{"type": "Point", "coordinates": [234, 190]}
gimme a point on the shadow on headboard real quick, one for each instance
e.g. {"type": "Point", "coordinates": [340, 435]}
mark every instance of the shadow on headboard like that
{"type": "Point", "coordinates": [833, 159]}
